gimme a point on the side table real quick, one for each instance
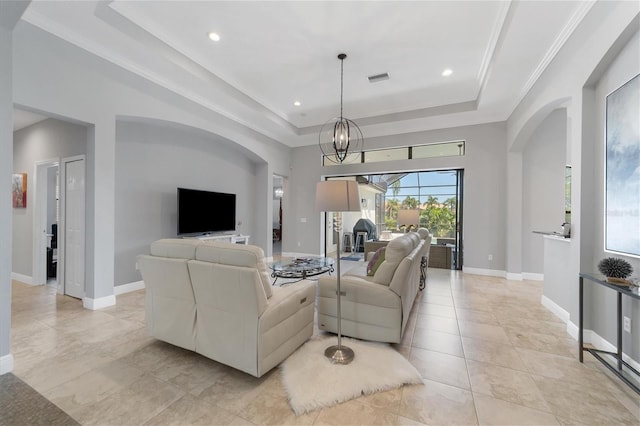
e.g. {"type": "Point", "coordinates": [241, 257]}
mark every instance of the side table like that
{"type": "Point", "coordinates": [633, 292]}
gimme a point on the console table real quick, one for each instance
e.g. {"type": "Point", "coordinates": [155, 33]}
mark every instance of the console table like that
{"type": "Point", "coordinates": [226, 238]}
{"type": "Point", "coordinates": [633, 292]}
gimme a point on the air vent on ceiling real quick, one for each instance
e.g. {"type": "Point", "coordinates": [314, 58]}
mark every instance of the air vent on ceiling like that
{"type": "Point", "coordinates": [378, 77]}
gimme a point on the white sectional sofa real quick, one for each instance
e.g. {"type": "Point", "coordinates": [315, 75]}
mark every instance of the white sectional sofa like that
{"type": "Point", "coordinates": [215, 299]}
{"type": "Point", "coordinates": [377, 308]}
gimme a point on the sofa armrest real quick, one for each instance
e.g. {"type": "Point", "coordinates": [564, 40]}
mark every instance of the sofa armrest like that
{"type": "Point", "coordinates": [359, 290]}
{"type": "Point", "coordinates": [287, 301]}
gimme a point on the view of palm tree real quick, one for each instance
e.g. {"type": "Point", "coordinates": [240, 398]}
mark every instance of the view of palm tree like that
{"type": "Point", "coordinates": [434, 193]}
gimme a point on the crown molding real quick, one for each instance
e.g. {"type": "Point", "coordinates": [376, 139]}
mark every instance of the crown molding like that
{"type": "Point", "coordinates": [52, 27]}
{"type": "Point", "coordinates": [555, 47]}
{"type": "Point", "coordinates": [490, 51]}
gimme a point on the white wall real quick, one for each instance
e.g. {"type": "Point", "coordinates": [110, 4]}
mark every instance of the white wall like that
{"type": "Point", "coordinates": [543, 168]}
{"type": "Point", "coordinates": [46, 140]}
{"type": "Point", "coordinates": [147, 178]}
{"type": "Point", "coordinates": [484, 193]}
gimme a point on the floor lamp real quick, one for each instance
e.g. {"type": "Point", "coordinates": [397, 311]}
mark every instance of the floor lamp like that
{"type": "Point", "coordinates": [338, 196]}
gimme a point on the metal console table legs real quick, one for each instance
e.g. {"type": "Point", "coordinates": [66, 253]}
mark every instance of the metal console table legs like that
{"type": "Point", "coordinates": [621, 365]}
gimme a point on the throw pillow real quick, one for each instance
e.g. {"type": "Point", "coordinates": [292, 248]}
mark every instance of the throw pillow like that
{"type": "Point", "coordinates": [375, 262]}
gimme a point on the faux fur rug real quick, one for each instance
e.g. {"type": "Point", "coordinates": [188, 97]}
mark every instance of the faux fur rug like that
{"type": "Point", "coordinates": [313, 382]}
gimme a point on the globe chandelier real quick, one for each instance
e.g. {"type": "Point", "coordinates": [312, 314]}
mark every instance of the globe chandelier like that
{"type": "Point", "coordinates": [340, 138]}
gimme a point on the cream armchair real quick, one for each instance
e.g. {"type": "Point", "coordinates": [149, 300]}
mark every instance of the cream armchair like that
{"type": "Point", "coordinates": [215, 299]}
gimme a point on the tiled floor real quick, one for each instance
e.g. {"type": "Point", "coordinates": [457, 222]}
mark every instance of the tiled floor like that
{"type": "Point", "coordinates": [488, 351]}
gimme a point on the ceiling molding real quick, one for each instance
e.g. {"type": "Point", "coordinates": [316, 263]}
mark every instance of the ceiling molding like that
{"type": "Point", "coordinates": [555, 47]}
{"type": "Point", "coordinates": [72, 37]}
{"type": "Point", "coordinates": [493, 43]}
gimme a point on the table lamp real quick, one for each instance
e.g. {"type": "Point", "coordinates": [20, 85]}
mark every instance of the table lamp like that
{"type": "Point", "coordinates": [338, 196]}
{"type": "Point", "coordinates": [408, 218]}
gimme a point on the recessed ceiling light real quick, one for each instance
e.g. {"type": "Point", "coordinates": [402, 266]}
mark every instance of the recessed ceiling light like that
{"type": "Point", "coordinates": [214, 36]}
{"type": "Point", "coordinates": [447, 72]}
{"type": "Point", "coordinates": [297, 103]}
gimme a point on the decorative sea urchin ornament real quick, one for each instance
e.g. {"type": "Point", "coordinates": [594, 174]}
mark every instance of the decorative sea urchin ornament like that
{"type": "Point", "coordinates": [613, 267]}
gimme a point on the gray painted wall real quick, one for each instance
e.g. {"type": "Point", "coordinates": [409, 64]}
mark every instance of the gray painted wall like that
{"type": "Point", "coordinates": [603, 301]}
{"type": "Point", "coordinates": [79, 86]}
{"type": "Point", "coordinates": [152, 161]}
{"type": "Point", "coordinates": [543, 170]}
{"type": "Point", "coordinates": [46, 140]}
{"type": "Point", "coordinates": [6, 217]}
{"type": "Point", "coordinates": [484, 196]}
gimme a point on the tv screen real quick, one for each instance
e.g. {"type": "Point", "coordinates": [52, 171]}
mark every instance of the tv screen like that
{"type": "Point", "coordinates": [201, 212]}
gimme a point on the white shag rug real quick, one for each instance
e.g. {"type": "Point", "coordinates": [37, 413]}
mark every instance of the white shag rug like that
{"type": "Point", "coordinates": [313, 382]}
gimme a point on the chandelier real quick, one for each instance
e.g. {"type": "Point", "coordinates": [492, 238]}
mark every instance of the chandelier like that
{"type": "Point", "coordinates": [340, 138]}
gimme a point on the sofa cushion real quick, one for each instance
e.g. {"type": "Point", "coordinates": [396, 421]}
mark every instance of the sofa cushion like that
{"type": "Point", "coordinates": [396, 250]}
{"type": "Point", "coordinates": [176, 248]}
{"type": "Point", "coordinates": [375, 261]}
{"type": "Point", "coordinates": [236, 255]}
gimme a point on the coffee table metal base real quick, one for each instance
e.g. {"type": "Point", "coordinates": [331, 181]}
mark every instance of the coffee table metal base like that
{"type": "Point", "coordinates": [301, 268]}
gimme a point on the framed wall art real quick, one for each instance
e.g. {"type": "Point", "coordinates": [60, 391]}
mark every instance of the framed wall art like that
{"type": "Point", "coordinates": [622, 169]}
{"type": "Point", "coordinates": [19, 190]}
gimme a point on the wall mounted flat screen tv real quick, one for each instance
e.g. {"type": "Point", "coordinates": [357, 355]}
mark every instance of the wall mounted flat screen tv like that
{"type": "Point", "coordinates": [202, 212]}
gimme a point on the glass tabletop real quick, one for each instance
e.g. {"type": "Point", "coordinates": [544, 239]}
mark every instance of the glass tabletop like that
{"type": "Point", "coordinates": [300, 264]}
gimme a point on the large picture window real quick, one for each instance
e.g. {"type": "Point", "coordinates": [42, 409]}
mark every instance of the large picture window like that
{"type": "Point", "coordinates": [622, 163]}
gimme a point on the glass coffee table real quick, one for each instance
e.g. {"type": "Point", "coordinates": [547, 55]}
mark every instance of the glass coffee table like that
{"type": "Point", "coordinates": [301, 268]}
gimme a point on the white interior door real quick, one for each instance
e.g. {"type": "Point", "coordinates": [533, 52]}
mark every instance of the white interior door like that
{"type": "Point", "coordinates": [74, 227]}
{"type": "Point", "coordinates": [40, 231]}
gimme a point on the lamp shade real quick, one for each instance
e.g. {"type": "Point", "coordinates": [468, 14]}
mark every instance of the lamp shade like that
{"type": "Point", "coordinates": [408, 217]}
{"type": "Point", "coordinates": [338, 196]}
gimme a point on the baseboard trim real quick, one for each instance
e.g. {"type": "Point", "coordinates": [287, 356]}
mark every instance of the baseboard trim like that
{"type": "Point", "coordinates": [480, 271]}
{"type": "Point", "coordinates": [599, 342]}
{"type": "Point", "coordinates": [99, 303]}
{"type": "Point", "coordinates": [22, 278]}
{"type": "Point", "coordinates": [6, 364]}
{"type": "Point", "coordinates": [513, 276]}
{"type": "Point", "coordinates": [556, 309]}
{"type": "Point", "coordinates": [128, 288]}
{"type": "Point", "coordinates": [532, 276]}
{"type": "Point", "coordinates": [589, 336]}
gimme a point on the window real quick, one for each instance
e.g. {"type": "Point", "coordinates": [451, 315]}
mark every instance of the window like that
{"type": "Point", "coordinates": [439, 149]}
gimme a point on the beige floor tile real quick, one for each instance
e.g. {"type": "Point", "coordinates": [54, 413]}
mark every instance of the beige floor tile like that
{"type": "Point", "coordinates": [492, 353]}
{"type": "Point", "coordinates": [234, 390]}
{"type": "Point", "coordinates": [388, 400]}
{"type": "Point", "coordinates": [437, 310]}
{"type": "Point", "coordinates": [440, 367]}
{"type": "Point", "coordinates": [586, 405]}
{"type": "Point", "coordinates": [137, 403]}
{"type": "Point", "coordinates": [438, 323]}
{"type": "Point", "coordinates": [93, 386]}
{"type": "Point", "coordinates": [563, 368]}
{"type": "Point", "coordinates": [506, 384]}
{"type": "Point", "coordinates": [404, 421]}
{"type": "Point", "coordinates": [189, 411]}
{"type": "Point", "coordinates": [482, 317]}
{"type": "Point", "coordinates": [438, 404]}
{"type": "Point", "coordinates": [104, 368]}
{"type": "Point", "coordinates": [493, 411]}
{"type": "Point", "coordinates": [438, 299]}
{"type": "Point", "coordinates": [437, 341]}
{"type": "Point", "coordinates": [270, 406]}
{"type": "Point", "coordinates": [355, 412]}
{"type": "Point", "coordinates": [492, 333]}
